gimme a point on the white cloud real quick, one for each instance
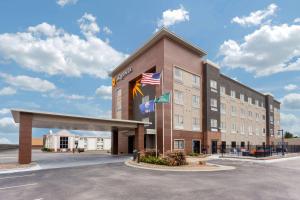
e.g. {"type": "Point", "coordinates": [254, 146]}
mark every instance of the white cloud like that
{"type": "Point", "coordinates": [268, 50]}
{"type": "Point", "coordinates": [290, 122]}
{"type": "Point", "coordinates": [291, 101]}
{"type": "Point", "coordinates": [104, 92]}
{"type": "Point", "coordinates": [7, 125]}
{"type": "Point", "coordinates": [57, 94]}
{"type": "Point", "coordinates": [290, 87]}
{"type": "Point", "coordinates": [4, 111]}
{"type": "Point", "coordinates": [7, 91]}
{"type": "Point", "coordinates": [5, 141]}
{"type": "Point", "coordinates": [28, 83]}
{"type": "Point", "coordinates": [297, 20]}
{"type": "Point", "coordinates": [257, 17]}
{"type": "Point", "coordinates": [45, 48]}
{"type": "Point", "coordinates": [107, 30]}
{"type": "Point", "coordinates": [88, 25]}
{"type": "Point", "coordinates": [62, 3]}
{"type": "Point", "coordinates": [171, 17]}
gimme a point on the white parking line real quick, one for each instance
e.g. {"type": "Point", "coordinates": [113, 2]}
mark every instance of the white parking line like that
{"type": "Point", "coordinates": [16, 176]}
{"type": "Point", "coordinates": [16, 186]}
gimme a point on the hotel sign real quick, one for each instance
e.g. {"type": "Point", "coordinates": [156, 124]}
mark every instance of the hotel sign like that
{"type": "Point", "coordinates": [121, 76]}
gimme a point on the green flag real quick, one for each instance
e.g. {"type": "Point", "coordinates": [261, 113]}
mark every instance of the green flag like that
{"type": "Point", "coordinates": [165, 98]}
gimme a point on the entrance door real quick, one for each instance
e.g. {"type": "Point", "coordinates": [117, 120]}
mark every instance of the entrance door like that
{"type": "Point", "coordinates": [196, 146]}
{"type": "Point", "coordinates": [130, 144]}
{"type": "Point", "coordinates": [214, 146]}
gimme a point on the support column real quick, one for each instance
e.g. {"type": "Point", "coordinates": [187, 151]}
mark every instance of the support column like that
{"type": "Point", "coordinates": [115, 142]}
{"type": "Point", "coordinates": [25, 138]}
{"type": "Point", "coordinates": [139, 137]}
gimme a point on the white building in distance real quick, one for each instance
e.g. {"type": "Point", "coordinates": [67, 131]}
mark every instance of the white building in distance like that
{"type": "Point", "coordinates": [63, 141]}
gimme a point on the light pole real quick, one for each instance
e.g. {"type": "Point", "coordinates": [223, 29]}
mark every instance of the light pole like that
{"type": "Point", "coordinates": [282, 141]}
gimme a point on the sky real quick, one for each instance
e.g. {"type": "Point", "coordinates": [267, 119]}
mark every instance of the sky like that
{"type": "Point", "coordinates": [55, 55]}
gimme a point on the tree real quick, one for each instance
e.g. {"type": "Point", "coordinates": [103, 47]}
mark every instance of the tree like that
{"type": "Point", "coordinates": [288, 135]}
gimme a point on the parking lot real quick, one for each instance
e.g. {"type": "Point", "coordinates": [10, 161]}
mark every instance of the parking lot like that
{"type": "Point", "coordinates": [115, 180]}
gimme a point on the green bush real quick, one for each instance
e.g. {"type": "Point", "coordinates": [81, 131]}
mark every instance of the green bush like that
{"type": "Point", "coordinates": [153, 160]}
{"type": "Point", "coordinates": [176, 158]}
{"type": "Point", "coordinates": [194, 154]}
{"type": "Point", "coordinates": [45, 149]}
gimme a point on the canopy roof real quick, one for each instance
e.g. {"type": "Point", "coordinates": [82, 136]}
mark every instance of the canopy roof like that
{"type": "Point", "coordinates": [42, 119]}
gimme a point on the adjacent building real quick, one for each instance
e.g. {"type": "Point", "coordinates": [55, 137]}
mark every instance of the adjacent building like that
{"type": "Point", "coordinates": [207, 110]}
{"type": "Point", "coordinates": [63, 141]}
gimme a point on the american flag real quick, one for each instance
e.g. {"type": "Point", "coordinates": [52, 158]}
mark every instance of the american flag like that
{"type": "Point", "coordinates": [151, 78]}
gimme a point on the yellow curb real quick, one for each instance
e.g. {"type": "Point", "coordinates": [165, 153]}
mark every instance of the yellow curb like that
{"type": "Point", "coordinates": [177, 169]}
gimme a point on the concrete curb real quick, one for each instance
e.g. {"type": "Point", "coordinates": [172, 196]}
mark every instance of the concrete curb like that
{"type": "Point", "coordinates": [259, 161]}
{"type": "Point", "coordinates": [174, 169]}
{"type": "Point", "coordinates": [16, 170]}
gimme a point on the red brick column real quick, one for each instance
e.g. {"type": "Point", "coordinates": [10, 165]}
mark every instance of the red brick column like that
{"type": "Point", "coordinates": [115, 142]}
{"type": "Point", "coordinates": [25, 138]}
{"type": "Point", "coordinates": [139, 137]}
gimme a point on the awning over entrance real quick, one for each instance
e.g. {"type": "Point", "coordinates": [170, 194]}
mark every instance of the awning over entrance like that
{"type": "Point", "coordinates": [29, 119]}
{"type": "Point", "coordinates": [75, 122]}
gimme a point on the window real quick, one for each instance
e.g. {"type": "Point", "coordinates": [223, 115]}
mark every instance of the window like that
{"type": "Point", "coordinates": [178, 97]}
{"type": "Point", "coordinates": [256, 131]}
{"type": "Point", "coordinates": [213, 84]}
{"type": "Point", "coordinates": [179, 121]}
{"type": "Point", "coordinates": [263, 131]}
{"type": "Point", "coordinates": [214, 104]}
{"type": "Point", "coordinates": [178, 144]}
{"type": "Point", "coordinates": [250, 114]}
{"type": "Point", "coordinates": [233, 110]}
{"type": "Point", "coordinates": [271, 108]}
{"type": "Point", "coordinates": [196, 80]}
{"type": "Point", "coordinates": [223, 126]}
{"type": "Point", "coordinates": [223, 108]}
{"type": "Point", "coordinates": [177, 74]}
{"type": "Point", "coordinates": [242, 97]}
{"type": "Point", "coordinates": [222, 90]}
{"type": "Point", "coordinates": [63, 143]}
{"type": "Point", "coordinates": [145, 99]}
{"type": "Point", "coordinates": [257, 116]}
{"type": "Point", "coordinates": [250, 130]}
{"type": "Point", "coordinates": [249, 100]}
{"type": "Point", "coordinates": [233, 127]}
{"type": "Point", "coordinates": [196, 101]}
{"type": "Point", "coordinates": [242, 128]}
{"type": "Point", "coordinates": [262, 104]}
{"type": "Point", "coordinates": [256, 102]}
{"type": "Point", "coordinates": [243, 113]}
{"type": "Point", "coordinates": [214, 123]}
{"type": "Point", "coordinates": [272, 132]}
{"type": "Point", "coordinates": [232, 93]}
{"type": "Point", "coordinates": [196, 124]}
{"type": "Point", "coordinates": [263, 117]}
{"type": "Point", "coordinates": [271, 119]}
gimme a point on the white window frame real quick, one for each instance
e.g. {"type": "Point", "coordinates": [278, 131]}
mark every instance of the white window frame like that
{"type": "Point", "coordinates": [178, 77]}
{"type": "Point", "coordinates": [196, 124]}
{"type": "Point", "coordinates": [222, 90]}
{"type": "Point", "coordinates": [178, 97]}
{"type": "Point", "coordinates": [213, 86]}
{"type": "Point", "coordinates": [196, 81]}
{"type": "Point", "coordinates": [214, 104]}
{"type": "Point", "coordinates": [232, 94]}
{"type": "Point", "coordinates": [177, 146]}
{"type": "Point", "coordinates": [179, 121]}
{"type": "Point", "coordinates": [223, 108]}
{"type": "Point", "coordinates": [196, 101]}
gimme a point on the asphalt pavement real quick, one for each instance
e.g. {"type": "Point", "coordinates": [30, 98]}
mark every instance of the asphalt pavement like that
{"type": "Point", "coordinates": [255, 181]}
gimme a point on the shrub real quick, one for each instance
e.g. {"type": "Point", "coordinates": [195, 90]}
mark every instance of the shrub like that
{"type": "Point", "coordinates": [176, 159]}
{"type": "Point", "coordinates": [194, 154]}
{"type": "Point", "coordinates": [45, 149]}
{"type": "Point", "coordinates": [153, 160]}
{"type": "Point", "coordinates": [150, 153]}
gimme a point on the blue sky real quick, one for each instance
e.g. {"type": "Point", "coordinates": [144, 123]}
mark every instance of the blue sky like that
{"type": "Point", "coordinates": [55, 55]}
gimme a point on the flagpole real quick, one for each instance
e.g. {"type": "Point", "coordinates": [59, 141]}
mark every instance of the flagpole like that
{"type": "Point", "coordinates": [155, 130]}
{"type": "Point", "coordinates": [163, 110]}
{"type": "Point", "coordinates": [171, 96]}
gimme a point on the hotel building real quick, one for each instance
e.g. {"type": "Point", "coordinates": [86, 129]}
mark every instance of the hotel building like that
{"type": "Point", "coordinates": [207, 110]}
